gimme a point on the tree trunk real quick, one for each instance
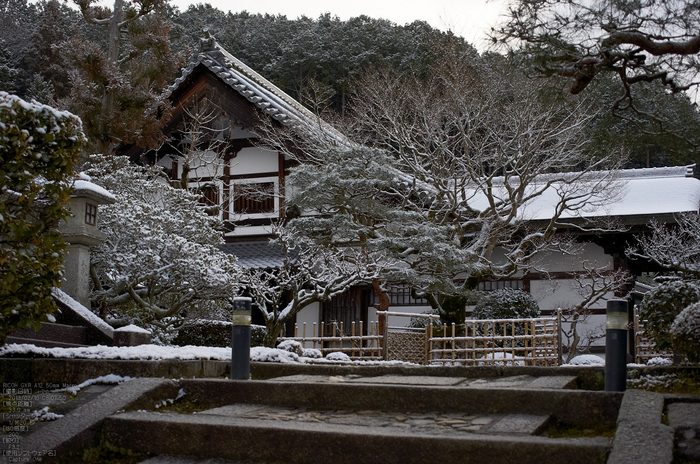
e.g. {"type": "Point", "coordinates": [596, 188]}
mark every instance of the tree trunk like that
{"type": "Point", "coordinates": [273, 332]}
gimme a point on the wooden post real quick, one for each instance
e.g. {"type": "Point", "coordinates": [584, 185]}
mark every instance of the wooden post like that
{"type": "Point", "coordinates": [559, 349]}
{"type": "Point", "coordinates": [384, 325]}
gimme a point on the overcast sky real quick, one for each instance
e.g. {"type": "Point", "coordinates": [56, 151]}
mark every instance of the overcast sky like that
{"type": "Point", "coordinates": [469, 18]}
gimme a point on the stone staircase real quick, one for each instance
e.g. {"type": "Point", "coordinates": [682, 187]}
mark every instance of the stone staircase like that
{"type": "Point", "coordinates": [340, 421]}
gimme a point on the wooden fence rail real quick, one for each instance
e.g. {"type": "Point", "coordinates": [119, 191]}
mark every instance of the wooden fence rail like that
{"type": "Point", "coordinates": [331, 337]}
{"type": "Point", "coordinates": [479, 341]}
{"type": "Point", "coordinates": [498, 341]}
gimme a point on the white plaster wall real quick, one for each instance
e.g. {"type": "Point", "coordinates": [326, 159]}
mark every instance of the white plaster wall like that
{"type": "Point", "coordinates": [203, 165]}
{"type": "Point", "coordinates": [309, 315]}
{"type": "Point", "coordinates": [589, 252]}
{"type": "Point", "coordinates": [592, 326]}
{"type": "Point", "coordinates": [254, 160]}
{"type": "Point", "coordinates": [561, 293]}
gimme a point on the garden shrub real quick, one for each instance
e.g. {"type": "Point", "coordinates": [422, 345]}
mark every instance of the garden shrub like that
{"type": "Point", "coordinates": [507, 303]}
{"type": "Point", "coordinates": [685, 333]}
{"type": "Point", "coordinates": [214, 333]}
{"type": "Point", "coordinates": [662, 304]}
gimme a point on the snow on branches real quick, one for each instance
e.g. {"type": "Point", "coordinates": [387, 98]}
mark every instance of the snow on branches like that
{"type": "Point", "coordinates": [309, 273]}
{"type": "Point", "coordinates": [160, 259]}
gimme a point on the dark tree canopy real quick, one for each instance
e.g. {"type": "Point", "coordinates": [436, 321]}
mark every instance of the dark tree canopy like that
{"type": "Point", "coordinates": [639, 40]}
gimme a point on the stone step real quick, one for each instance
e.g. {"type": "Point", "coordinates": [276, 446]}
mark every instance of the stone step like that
{"type": "Point", "coordinates": [53, 332]}
{"type": "Point", "coordinates": [207, 436]}
{"type": "Point", "coordinates": [43, 343]}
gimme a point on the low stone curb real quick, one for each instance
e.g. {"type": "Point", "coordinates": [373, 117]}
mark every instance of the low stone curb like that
{"type": "Point", "coordinates": [641, 438]}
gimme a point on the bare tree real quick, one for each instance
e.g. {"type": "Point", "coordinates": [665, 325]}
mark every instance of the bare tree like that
{"type": "Point", "coordinates": [675, 247]}
{"type": "Point", "coordinates": [478, 151]}
{"type": "Point", "coordinates": [593, 285]}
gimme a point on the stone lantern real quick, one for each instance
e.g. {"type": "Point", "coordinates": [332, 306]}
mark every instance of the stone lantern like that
{"type": "Point", "coordinates": [80, 233]}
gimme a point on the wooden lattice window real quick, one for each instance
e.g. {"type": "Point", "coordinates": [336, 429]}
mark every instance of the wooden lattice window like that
{"type": "Point", "coordinates": [254, 198]}
{"type": "Point", "coordinates": [401, 296]}
{"type": "Point", "coordinates": [90, 214]}
{"type": "Point", "coordinates": [209, 195]}
{"type": "Point", "coordinates": [500, 284]}
{"type": "Point", "coordinates": [347, 308]}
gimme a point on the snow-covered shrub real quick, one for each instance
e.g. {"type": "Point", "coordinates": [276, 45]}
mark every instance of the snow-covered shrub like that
{"type": "Point", "coordinates": [506, 303]}
{"type": "Point", "coordinates": [338, 356]}
{"type": "Point", "coordinates": [586, 360]}
{"type": "Point", "coordinates": [685, 333]}
{"type": "Point", "coordinates": [38, 145]}
{"type": "Point", "coordinates": [312, 353]}
{"type": "Point", "coordinates": [661, 306]}
{"type": "Point", "coordinates": [161, 257]}
{"type": "Point", "coordinates": [659, 361]}
{"type": "Point", "coordinates": [292, 346]}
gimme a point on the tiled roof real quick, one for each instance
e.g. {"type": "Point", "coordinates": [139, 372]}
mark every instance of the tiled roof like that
{"type": "Point", "coordinates": [255, 88]}
{"type": "Point", "coordinates": [256, 255]}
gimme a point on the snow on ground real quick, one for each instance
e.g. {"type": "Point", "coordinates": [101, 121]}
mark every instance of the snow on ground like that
{"type": "Point", "coordinates": [108, 379]}
{"type": "Point", "coordinates": [156, 352]}
{"type": "Point", "coordinates": [586, 360]}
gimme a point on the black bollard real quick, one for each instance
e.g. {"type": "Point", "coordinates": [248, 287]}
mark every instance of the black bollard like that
{"type": "Point", "coordinates": [240, 339]}
{"type": "Point", "coordinates": [616, 346]}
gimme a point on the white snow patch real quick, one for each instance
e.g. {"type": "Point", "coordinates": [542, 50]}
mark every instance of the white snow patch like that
{"type": "Point", "coordinates": [586, 360]}
{"type": "Point", "coordinates": [337, 356]}
{"type": "Point", "coordinates": [132, 328]}
{"type": "Point", "coordinates": [659, 361]}
{"type": "Point", "coordinates": [108, 379]}
{"type": "Point", "coordinates": [157, 352]}
{"type": "Point", "coordinates": [84, 186]}
{"type": "Point", "coordinates": [43, 414]}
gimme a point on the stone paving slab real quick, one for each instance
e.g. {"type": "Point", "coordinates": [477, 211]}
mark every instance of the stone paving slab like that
{"type": "Point", "coordinates": [429, 423]}
{"type": "Point", "coordinates": [79, 426]}
{"type": "Point", "coordinates": [519, 381]}
{"type": "Point", "coordinates": [520, 424]}
{"type": "Point", "coordinates": [684, 418]}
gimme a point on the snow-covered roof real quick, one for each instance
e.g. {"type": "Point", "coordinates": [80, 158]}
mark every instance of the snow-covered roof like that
{"type": "Point", "coordinates": [641, 193]}
{"type": "Point", "coordinates": [255, 88]}
{"type": "Point", "coordinates": [256, 255]}
{"type": "Point", "coordinates": [85, 188]}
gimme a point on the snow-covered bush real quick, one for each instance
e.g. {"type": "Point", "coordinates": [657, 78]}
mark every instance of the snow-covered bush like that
{"type": "Point", "coordinates": [38, 145]}
{"type": "Point", "coordinates": [586, 360]}
{"type": "Point", "coordinates": [292, 346]}
{"type": "Point", "coordinates": [161, 261]}
{"type": "Point", "coordinates": [685, 333]}
{"type": "Point", "coordinates": [661, 306]}
{"type": "Point", "coordinates": [506, 303]}
{"type": "Point", "coordinates": [312, 353]}
{"type": "Point", "coordinates": [338, 356]}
